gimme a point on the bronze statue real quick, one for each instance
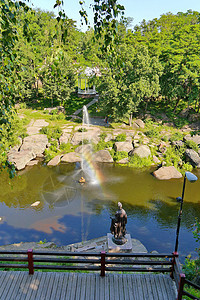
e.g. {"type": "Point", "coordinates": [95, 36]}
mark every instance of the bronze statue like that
{"type": "Point", "coordinates": [118, 226]}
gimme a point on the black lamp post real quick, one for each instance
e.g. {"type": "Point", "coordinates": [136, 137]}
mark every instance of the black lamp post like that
{"type": "Point", "coordinates": [192, 178]}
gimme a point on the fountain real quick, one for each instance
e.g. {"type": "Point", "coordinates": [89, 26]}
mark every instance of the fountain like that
{"type": "Point", "coordinates": [86, 120]}
{"type": "Point", "coordinates": [87, 165]}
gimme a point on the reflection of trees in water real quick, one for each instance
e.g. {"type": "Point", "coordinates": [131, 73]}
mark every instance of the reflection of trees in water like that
{"type": "Point", "coordinates": [165, 214]}
{"type": "Point", "coordinates": [25, 189]}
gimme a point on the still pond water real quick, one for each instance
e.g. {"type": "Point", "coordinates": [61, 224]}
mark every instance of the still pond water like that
{"type": "Point", "coordinates": [69, 212]}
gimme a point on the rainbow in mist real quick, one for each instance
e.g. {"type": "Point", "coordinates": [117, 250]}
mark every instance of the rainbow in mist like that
{"type": "Point", "coordinates": [89, 168]}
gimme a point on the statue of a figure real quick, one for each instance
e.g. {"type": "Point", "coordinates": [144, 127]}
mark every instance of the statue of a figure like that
{"type": "Point", "coordinates": [118, 226]}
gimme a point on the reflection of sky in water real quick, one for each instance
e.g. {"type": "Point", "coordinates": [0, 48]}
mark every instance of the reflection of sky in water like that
{"type": "Point", "coordinates": [69, 212]}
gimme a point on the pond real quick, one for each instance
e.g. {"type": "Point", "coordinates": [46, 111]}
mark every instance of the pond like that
{"type": "Point", "coordinates": [69, 212]}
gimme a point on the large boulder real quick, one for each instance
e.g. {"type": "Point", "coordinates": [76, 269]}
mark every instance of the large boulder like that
{"type": "Point", "coordinates": [117, 131]}
{"type": "Point", "coordinates": [54, 161]}
{"type": "Point", "coordinates": [65, 137]}
{"type": "Point", "coordinates": [59, 109]}
{"type": "Point", "coordinates": [21, 158]}
{"type": "Point", "coordinates": [140, 137]}
{"type": "Point", "coordinates": [103, 156]}
{"type": "Point", "coordinates": [178, 144]}
{"type": "Point", "coordinates": [141, 151]}
{"type": "Point", "coordinates": [16, 147]}
{"type": "Point", "coordinates": [165, 173]}
{"type": "Point", "coordinates": [92, 135]}
{"type": "Point", "coordinates": [135, 126]}
{"type": "Point", "coordinates": [194, 138]}
{"type": "Point", "coordinates": [156, 159]}
{"type": "Point", "coordinates": [35, 143]}
{"type": "Point", "coordinates": [192, 157]}
{"type": "Point", "coordinates": [108, 137]}
{"type": "Point", "coordinates": [84, 149]}
{"type": "Point", "coordinates": [140, 123]}
{"type": "Point", "coordinates": [35, 126]}
{"type": "Point", "coordinates": [71, 157]}
{"type": "Point", "coordinates": [123, 146]}
{"type": "Point", "coordinates": [32, 163]}
{"type": "Point", "coordinates": [123, 161]}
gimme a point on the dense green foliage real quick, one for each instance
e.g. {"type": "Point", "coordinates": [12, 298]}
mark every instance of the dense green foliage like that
{"type": "Point", "coordinates": [156, 62]}
{"type": "Point", "coordinates": [154, 65]}
{"type": "Point", "coordinates": [192, 266]}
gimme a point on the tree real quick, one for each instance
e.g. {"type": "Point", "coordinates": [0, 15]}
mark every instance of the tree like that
{"type": "Point", "coordinates": [124, 86]}
{"type": "Point", "coordinates": [175, 40]}
{"type": "Point", "coordinates": [58, 77]}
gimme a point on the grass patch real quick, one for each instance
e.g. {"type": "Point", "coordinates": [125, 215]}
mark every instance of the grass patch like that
{"type": "Point", "coordinates": [52, 132]}
{"type": "Point", "coordinates": [192, 145]}
{"type": "Point", "coordinates": [121, 137]}
{"type": "Point", "coordinates": [140, 162]}
{"type": "Point", "coordinates": [120, 155]}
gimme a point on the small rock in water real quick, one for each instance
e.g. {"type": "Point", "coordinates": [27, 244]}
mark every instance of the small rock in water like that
{"type": "Point", "coordinates": [35, 203]}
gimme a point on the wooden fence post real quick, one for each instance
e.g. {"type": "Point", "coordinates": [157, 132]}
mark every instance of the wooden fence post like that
{"type": "Point", "coordinates": [103, 263]}
{"type": "Point", "coordinates": [175, 255]}
{"type": "Point", "coordinates": [30, 261]}
{"type": "Point", "coordinates": [180, 287]}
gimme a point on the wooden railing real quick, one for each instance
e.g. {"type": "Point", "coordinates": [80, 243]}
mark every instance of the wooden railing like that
{"type": "Point", "coordinates": [86, 261]}
{"type": "Point", "coordinates": [180, 279]}
{"type": "Point", "coordinates": [102, 262]}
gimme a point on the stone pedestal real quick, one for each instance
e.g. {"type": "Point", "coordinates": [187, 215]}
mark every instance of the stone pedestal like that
{"type": "Point", "coordinates": [112, 247]}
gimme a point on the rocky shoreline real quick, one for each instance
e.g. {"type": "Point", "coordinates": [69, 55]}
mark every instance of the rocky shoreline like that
{"type": "Point", "coordinates": [137, 143]}
{"type": "Point", "coordinates": [93, 245]}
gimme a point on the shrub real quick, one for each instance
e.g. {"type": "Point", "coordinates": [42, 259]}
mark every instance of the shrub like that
{"type": "Point", "coordinates": [53, 118]}
{"type": "Point", "coordinates": [109, 144]}
{"type": "Point", "coordinates": [23, 105]}
{"type": "Point", "coordinates": [66, 147]}
{"type": "Point", "coordinates": [165, 138]}
{"type": "Point", "coordinates": [192, 145]}
{"type": "Point", "coordinates": [100, 146]}
{"type": "Point", "coordinates": [103, 135]}
{"type": "Point", "coordinates": [120, 155]}
{"type": "Point", "coordinates": [186, 167]}
{"type": "Point", "coordinates": [121, 137]}
{"type": "Point", "coordinates": [176, 137]}
{"type": "Point", "coordinates": [54, 112]}
{"type": "Point", "coordinates": [54, 132]}
{"type": "Point", "coordinates": [61, 116]}
{"type": "Point", "coordinates": [23, 135]}
{"type": "Point", "coordinates": [112, 153]}
{"type": "Point", "coordinates": [11, 128]}
{"type": "Point", "coordinates": [139, 162]}
{"type": "Point", "coordinates": [82, 129]}
{"type": "Point", "coordinates": [154, 132]}
{"type": "Point", "coordinates": [191, 266]}
{"type": "Point", "coordinates": [180, 122]}
{"type": "Point", "coordinates": [173, 157]}
{"type": "Point", "coordinates": [44, 130]}
{"type": "Point", "coordinates": [49, 154]}
{"type": "Point", "coordinates": [194, 132]}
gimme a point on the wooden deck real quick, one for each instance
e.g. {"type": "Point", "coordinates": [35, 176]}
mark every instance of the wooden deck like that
{"type": "Point", "coordinates": [18, 285]}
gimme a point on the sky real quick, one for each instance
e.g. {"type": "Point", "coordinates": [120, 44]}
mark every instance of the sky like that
{"type": "Point", "coordinates": [137, 9]}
